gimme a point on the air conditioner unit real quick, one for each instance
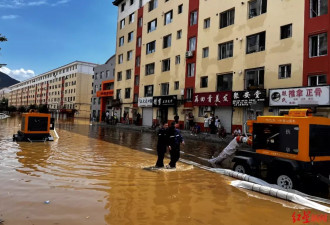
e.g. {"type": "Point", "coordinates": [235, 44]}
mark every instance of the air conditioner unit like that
{"type": "Point", "coordinates": [189, 54]}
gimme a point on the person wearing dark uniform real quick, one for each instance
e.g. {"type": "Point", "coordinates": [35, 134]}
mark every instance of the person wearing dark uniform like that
{"type": "Point", "coordinates": [175, 139]}
{"type": "Point", "coordinates": [162, 144]}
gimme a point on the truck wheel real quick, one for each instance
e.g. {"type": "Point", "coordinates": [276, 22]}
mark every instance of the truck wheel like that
{"type": "Point", "coordinates": [286, 181]}
{"type": "Point", "coordinates": [241, 167]}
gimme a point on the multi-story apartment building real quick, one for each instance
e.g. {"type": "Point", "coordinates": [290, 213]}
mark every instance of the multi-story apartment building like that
{"type": "Point", "coordinates": [66, 89]}
{"type": "Point", "coordinates": [234, 59]}
{"type": "Point", "coordinates": [103, 85]}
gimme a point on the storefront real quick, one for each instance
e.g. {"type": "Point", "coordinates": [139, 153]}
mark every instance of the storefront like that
{"type": "Point", "coordinates": [217, 103]}
{"type": "Point", "coordinates": [163, 103]}
{"type": "Point", "coordinates": [281, 100]}
{"type": "Point", "coordinates": [251, 103]}
{"type": "Point", "coordinates": [146, 105]}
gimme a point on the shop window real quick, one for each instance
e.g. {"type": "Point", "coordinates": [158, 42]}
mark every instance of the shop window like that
{"type": "Point", "coordinates": [165, 88]}
{"type": "Point", "coordinates": [318, 45]}
{"type": "Point", "coordinates": [148, 91]}
{"type": "Point", "coordinates": [254, 79]}
{"type": "Point", "coordinates": [256, 43]}
{"type": "Point", "coordinates": [317, 80]}
{"type": "Point", "coordinates": [284, 71]}
{"type": "Point", "coordinates": [227, 18]}
{"type": "Point", "coordinates": [224, 82]}
{"type": "Point", "coordinates": [257, 7]}
{"type": "Point", "coordinates": [167, 41]}
{"type": "Point", "coordinates": [318, 8]}
{"type": "Point", "coordinates": [225, 50]}
{"type": "Point", "coordinates": [166, 65]}
{"type": "Point", "coordinates": [286, 31]}
{"type": "Point", "coordinates": [204, 82]}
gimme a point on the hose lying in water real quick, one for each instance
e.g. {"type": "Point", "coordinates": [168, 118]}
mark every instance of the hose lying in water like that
{"type": "Point", "coordinates": [280, 194]}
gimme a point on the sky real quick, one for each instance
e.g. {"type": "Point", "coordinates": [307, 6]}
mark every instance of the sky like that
{"type": "Point", "coordinates": [46, 34]}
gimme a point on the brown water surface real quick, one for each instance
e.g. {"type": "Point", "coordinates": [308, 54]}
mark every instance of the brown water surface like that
{"type": "Point", "coordinates": [94, 175]}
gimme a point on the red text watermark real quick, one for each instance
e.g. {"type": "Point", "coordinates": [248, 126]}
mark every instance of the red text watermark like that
{"type": "Point", "coordinates": [307, 217]}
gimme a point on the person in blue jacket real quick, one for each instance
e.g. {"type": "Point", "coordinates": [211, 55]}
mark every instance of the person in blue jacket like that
{"type": "Point", "coordinates": [175, 139]}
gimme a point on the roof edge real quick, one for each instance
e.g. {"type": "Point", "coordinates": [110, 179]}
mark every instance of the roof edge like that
{"type": "Point", "coordinates": [117, 2]}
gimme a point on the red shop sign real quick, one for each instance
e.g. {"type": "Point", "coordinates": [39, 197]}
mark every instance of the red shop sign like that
{"type": "Point", "coordinates": [222, 98]}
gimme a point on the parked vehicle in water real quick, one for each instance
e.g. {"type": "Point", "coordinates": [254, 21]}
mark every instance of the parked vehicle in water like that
{"type": "Point", "coordinates": [3, 116]}
{"type": "Point", "coordinates": [291, 151]}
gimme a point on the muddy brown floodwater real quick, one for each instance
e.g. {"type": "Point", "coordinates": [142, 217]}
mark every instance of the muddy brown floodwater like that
{"type": "Point", "coordinates": [94, 175]}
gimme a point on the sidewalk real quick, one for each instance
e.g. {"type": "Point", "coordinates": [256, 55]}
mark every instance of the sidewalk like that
{"type": "Point", "coordinates": [186, 134]}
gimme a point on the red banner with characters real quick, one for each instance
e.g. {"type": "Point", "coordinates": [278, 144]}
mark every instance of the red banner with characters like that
{"type": "Point", "coordinates": [222, 98]}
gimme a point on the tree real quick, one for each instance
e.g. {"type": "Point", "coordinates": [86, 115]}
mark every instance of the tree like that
{"type": "Point", "coordinates": [43, 108]}
{"type": "Point", "coordinates": [21, 109]}
{"type": "Point", "coordinates": [12, 108]}
{"type": "Point", "coordinates": [3, 104]}
{"type": "Point", "coordinates": [2, 39]}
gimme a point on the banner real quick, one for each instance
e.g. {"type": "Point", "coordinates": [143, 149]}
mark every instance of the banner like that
{"type": "Point", "coordinates": [166, 100]}
{"type": "Point", "coordinates": [246, 98]}
{"type": "Point", "coordinates": [222, 98]}
{"type": "Point", "coordinates": [145, 102]}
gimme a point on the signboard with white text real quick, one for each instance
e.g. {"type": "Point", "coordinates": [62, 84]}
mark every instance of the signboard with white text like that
{"type": "Point", "coordinates": [247, 98]}
{"type": "Point", "coordinates": [319, 95]}
{"type": "Point", "coordinates": [145, 102]}
{"type": "Point", "coordinates": [222, 98]}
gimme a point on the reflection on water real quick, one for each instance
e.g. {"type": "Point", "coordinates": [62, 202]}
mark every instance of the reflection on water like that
{"type": "Point", "coordinates": [94, 175]}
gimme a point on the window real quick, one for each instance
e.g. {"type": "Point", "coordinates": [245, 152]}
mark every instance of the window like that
{"type": "Point", "coordinates": [120, 59]}
{"type": "Point", "coordinates": [131, 2]}
{"type": "Point", "coordinates": [318, 7]}
{"type": "Point", "coordinates": [207, 23]}
{"type": "Point", "coordinates": [139, 42]}
{"type": "Point", "coordinates": [137, 61]}
{"type": "Point", "coordinates": [128, 74]}
{"type": "Point", "coordinates": [150, 68]}
{"type": "Point", "coordinates": [227, 18]}
{"type": "Point", "coordinates": [191, 69]}
{"type": "Point", "coordinates": [224, 82]}
{"type": "Point", "coordinates": [316, 80]}
{"type": "Point", "coordinates": [166, 65]}
{"type": "Point", "coordinates": [151, 47]}
{"type": "Point", "coordinates": [129, 55]}
{"type": "Point", "coordinates": [179, 34]}
{"type": "Point", "coordinates": [193, 18]}
{"type": "Point", "coordinates": [140, 21]}
{"type": "Point", "coordinates": [180, 8]}
{"type": "Point", "coordinates": [225, 50]}
{"type": "Point", "coordinates": [137, 80]}
{"type": "Point", "coordinates": [107, 74]}
{"type": "Point", "coordinates": [152, 25]}
{"type": "Point", "coordinates": [192, 44]}
{"type": "Point", "coordinates": [176, 85]}
{"type": "Point", "coordinates": [168, 17]}
{"type": "Point", "coordinates": [123, 7]}
{"type": "Point", "coordinates": [136, 98]}
{"type": "Point", "coordinates": [121, 41]}
{"type": "Point", "coordinates": [127, 92]}
{"type": "Point", "coordinates": [286, 31]}
{"type": "Point", "coordinates": [167, 41]}
{"type": "Point", "coordinates": [318, 45]}
{"type": "Point", "coordinates": [284, 71]}
{"type": "Point", "coordinates": [148, 91]}
{"type": "Point", "coordinates": [131, 18]}
{"type": "Point", "coordinates": [257, 7]}
{"type": "Point", "coordinates": [130, 36]}
{"type": "Point", "coordinates": [165, 88]}
{"type": "Point", "coordinates": [255, 43]}
{"type": "Point", "coordinates": [205, 53]}
{"type": "Point", "coordinates": [153, 5]}
{"type": "Point", "coordinates": [177, 59]}
{"type": "Point", "coordinates": [254, 78]}
{"type": "Point", "coordinates": [122, 24]}
{"type": "Point", "coordinates": [119, 76]}
{"type": "Point", "coordinates": [204, 82]}
{"type": "Point", "coordinates": [101, 75]}
{"type": "Point", "coordinates": [190, 93]}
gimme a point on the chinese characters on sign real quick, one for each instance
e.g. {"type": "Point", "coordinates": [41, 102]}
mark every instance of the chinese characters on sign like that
{"type": "Point", "coordinates": [246, 98]}
{"type": "Point", "coordinates": [303, 95]}
{"type": "Point", "coordinates": [307, 217]}
{"type": "Point", "coordinates": [168, 100]}
{"type": "Point", "coordinates": [145, 102]}
{"type": "Point", "coordinates": [222, 98]}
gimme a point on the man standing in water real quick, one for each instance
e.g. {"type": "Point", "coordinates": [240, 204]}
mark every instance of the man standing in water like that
{"type": "Point", "coordinates": [175, 139]}
{"type": "Point", "coordinates": [162, 144]}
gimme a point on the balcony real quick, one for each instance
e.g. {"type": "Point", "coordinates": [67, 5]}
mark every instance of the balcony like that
{"type": "Point", "coordinates": [105, 93]}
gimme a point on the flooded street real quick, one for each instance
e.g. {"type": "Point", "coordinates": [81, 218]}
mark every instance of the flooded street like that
{"type": "Point", "coordinates": [94, 175]}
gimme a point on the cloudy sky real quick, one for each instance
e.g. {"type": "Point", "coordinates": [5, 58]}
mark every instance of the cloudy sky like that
{"type": "Point", "coordinates": [46, 34]}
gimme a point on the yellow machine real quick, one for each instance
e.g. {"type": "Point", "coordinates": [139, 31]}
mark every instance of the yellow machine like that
{"type": "Point", "coordinates": [291, 149]}
{"type": "Point", "coordinates": [35, 127]}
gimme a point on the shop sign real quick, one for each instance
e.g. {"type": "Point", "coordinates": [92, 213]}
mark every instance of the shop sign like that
{"type": "Point", "coordinates": [145, 102]}
{"type": "Point", "coordinates": [222, 98]}
{"type": "Point", "coordinates": [167, 100]}
{"type": "Point", "coordinates": [300, 96]}
{"type": "Point", "coordinates": [246, 98]}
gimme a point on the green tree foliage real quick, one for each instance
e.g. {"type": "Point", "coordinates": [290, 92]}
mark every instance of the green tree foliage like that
{"type": "Point", "coordinates": [43, 108]}
{"type": "Point", "coordinates": [21, 109]}
{"type": "Point", "coordinates": [12, 108]}
{"type": "Point", "coordinates": [4, 104]}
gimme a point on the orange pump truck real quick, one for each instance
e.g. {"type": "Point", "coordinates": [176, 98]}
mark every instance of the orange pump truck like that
{"type": "Point", "coordinates": [35, 127]}
{"type": "Point", "coordinates": [292, 150]}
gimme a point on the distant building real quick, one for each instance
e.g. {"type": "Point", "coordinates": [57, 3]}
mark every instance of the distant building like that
{"type": "Point", "coordinates": [4, 93]}
{"type": "Point", "coordinates": [66, 90]}
{"type": "Point", "coordinates": [103, 85]}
